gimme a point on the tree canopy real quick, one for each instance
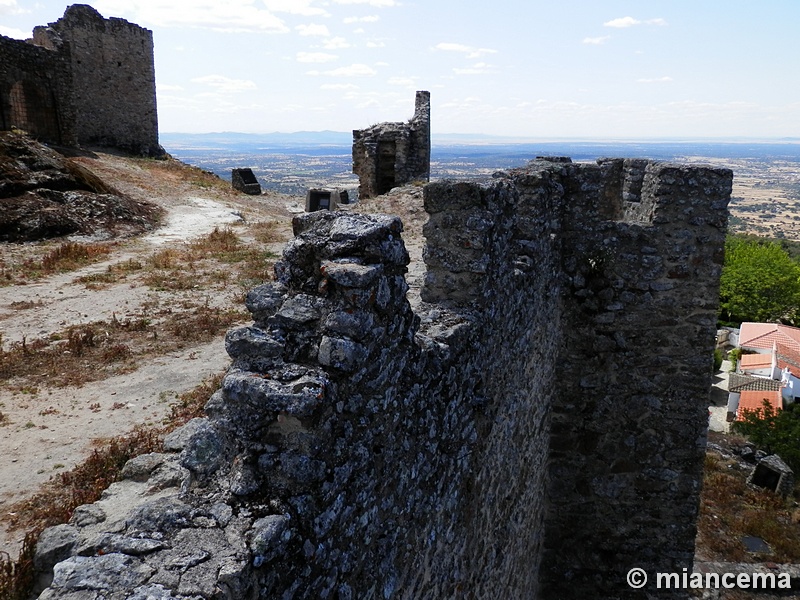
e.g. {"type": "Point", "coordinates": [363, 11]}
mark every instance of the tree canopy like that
{"type": "Point", "coordinates": [760, 282]}
{"type": "Point", "coordinates": [776, 431]}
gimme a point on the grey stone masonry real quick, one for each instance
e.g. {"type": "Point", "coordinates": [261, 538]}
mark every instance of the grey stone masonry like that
{"type": "Point", "coordinates": [387, 155]}
{"type": "Point", "coordinates": [245, 181]}
{"type": "Point", "coordinates": [519, 436]}
{"type": "Point", "coordinates": [82, 80]}
{"type": "Point", "coordinates": [35, 92]}
{"type": "Point", "coordinates": [113, 71]}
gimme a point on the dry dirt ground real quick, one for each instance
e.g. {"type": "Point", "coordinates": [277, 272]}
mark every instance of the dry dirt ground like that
{"type": "Point", "coordinates": [46, 426]}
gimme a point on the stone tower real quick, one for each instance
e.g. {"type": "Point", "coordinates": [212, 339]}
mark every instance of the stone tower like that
{"type": "Point", "coordinates": [392, 154]}
{"type": "Point", "coordinates": [113, 78]}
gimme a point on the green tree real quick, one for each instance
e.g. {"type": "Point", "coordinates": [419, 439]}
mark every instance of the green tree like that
{"type": "Point", "coordinates": [775, 431]}
{"type": "Point", "coordinates": [760, 282]}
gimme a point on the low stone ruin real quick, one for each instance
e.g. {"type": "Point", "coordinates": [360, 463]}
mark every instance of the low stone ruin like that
{"type": "Point", "coordinates": [245, 181]}
{"type": "Point", "coordinates": [517, 436]}
{"type": "Point", "coordinates": [773, 474]}
{"type": "Point", "coordinates": [388, 155]}
{"type": "Point", "coordinates": [325, 199]}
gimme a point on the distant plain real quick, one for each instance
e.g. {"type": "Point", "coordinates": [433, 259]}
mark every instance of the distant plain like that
{"type": "Point", "coordinates": [766, 190]}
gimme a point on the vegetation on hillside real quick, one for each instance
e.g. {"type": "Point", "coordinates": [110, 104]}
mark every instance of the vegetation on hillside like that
{"type": "Point", "coordinates": [84, 484]}
{"type": "Point", "coordinates": [760, 282]}
{"type": "Point", "coordinates": [775, 431]}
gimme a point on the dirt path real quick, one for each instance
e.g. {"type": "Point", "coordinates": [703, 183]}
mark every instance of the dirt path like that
{"type": "Point", "coordinates": [45, 430]}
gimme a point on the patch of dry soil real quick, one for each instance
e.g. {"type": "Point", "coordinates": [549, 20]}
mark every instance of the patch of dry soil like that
{"type": "Point", "coordinates": [47, 430]}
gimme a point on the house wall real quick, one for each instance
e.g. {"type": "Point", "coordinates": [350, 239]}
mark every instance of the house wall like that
{"type": "Point", "coordinates": [629, 422]}
{"type": "Point", "coordinates": [82, 80]}
{"type": "Point", "coordinates": [411, 155]}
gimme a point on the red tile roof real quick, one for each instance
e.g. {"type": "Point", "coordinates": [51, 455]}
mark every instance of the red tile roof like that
{"type": "Point", "coordinates": [754, 400]}
{"type": "Point", "coordinates": [766, 335]}
{"type": "Point", "coordinates": [755, 361]}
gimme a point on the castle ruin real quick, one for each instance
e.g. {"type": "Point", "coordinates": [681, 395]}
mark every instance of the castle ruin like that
{"type": "Point", "coordinates": [82, 80]}
{"type": "Point", "coordinates": [534, 429]}
{"type": "Point", "coordinates": [387, 155]}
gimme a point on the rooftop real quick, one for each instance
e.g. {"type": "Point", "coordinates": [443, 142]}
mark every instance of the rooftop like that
{"type": "Point", "coordinates": [754, 400]}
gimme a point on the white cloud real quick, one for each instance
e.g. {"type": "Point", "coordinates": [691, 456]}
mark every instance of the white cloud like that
{"type": "Point", "coordinates": [367, 19]}
{"type": "Point", "coordinates": [163, 87]}
{"type": "Point", "coordinates": [10, 7]}
{"type": "Point", "coordinates": [480, 68]}
{"type": "Point", "coordinates": [14, 33]}
{"type": "Point", "coordinates": [354, 70]}
{"type": "Point", "coordinates": [232, 16]}
{"type": "Point", "coordinates": [376, 3]}
{"type": "Point", "coordinates": [596, 41]}
{"type": "Point", "coordinates": [338, 86]}
{"type": "Point", "coordinates": [295, 7]}
{"type": "Point", "coordinates": [335, 43]}
{"type": "Point", "coordinates": [313, 29]}
{"type": "Point", "coordinates": [409, 82]}
{"type": "Point", "coordinates": [226, 85]}
{"type": "Point", "coordinates": [470, 51]}
{"type": "Point", "coordinates": [655, 80]}
{"type": "Point", "coordinates": [623, 22]}
{"type": "Point", "coordinates": [315, 57]}
{"type": "Point", "coordinates": [375, 44]}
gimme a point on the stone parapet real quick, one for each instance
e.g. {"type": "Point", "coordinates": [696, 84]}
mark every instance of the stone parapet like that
{"type": "Point", "coordinates": [519, 436]}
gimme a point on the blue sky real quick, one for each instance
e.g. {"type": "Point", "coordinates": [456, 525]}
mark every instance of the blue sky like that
{"type": "Point", "coordinates": [585, 68]}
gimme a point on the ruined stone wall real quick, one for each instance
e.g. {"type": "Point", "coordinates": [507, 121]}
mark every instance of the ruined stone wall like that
{"type": "Point", "coordinates": [387, 155]}
{"type": "Point", "coordinates": [113, 78]}
{"type": "Point", "coordinates": [518, 436]}
{"type": "Point", "coordinates": [35, 86]}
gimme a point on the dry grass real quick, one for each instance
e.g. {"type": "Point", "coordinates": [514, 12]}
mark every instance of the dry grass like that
{"type": "Point", "coordinates": [179, 171]}
{"type": "Point", "coordinates": [214, 261]}
{"type": "Point", "coordinates": [65, 257]}
{"type": "Point", "coordinates": [84, 484]}
{"type": "Point", "coordinates": [729, 510]}
{"type": "Point", "coordinates": [102, 349]}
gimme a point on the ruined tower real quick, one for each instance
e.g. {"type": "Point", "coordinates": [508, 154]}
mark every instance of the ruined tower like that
{"type": "Point", "coordinates": [387, 155]}
{"type": "Point", "coordinates": [82, 80]}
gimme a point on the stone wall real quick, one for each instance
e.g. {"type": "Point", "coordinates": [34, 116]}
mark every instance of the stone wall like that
{"type": "Point", "coordinates": [35, 86]}
{"type": "Point", "coordinates": [641, 271]}
{"type": "Point", "coordinates": [518, 436]}
{"type": "Point", "coordinates": [82, 80]}
{"type": "Point", "coordinates": [113, 72]}
{"type": "Point", "coordinates": [387, 155]}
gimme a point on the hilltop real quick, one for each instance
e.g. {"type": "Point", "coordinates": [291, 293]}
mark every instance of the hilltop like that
{"type": "Point", "coordinates": [102, 328]}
